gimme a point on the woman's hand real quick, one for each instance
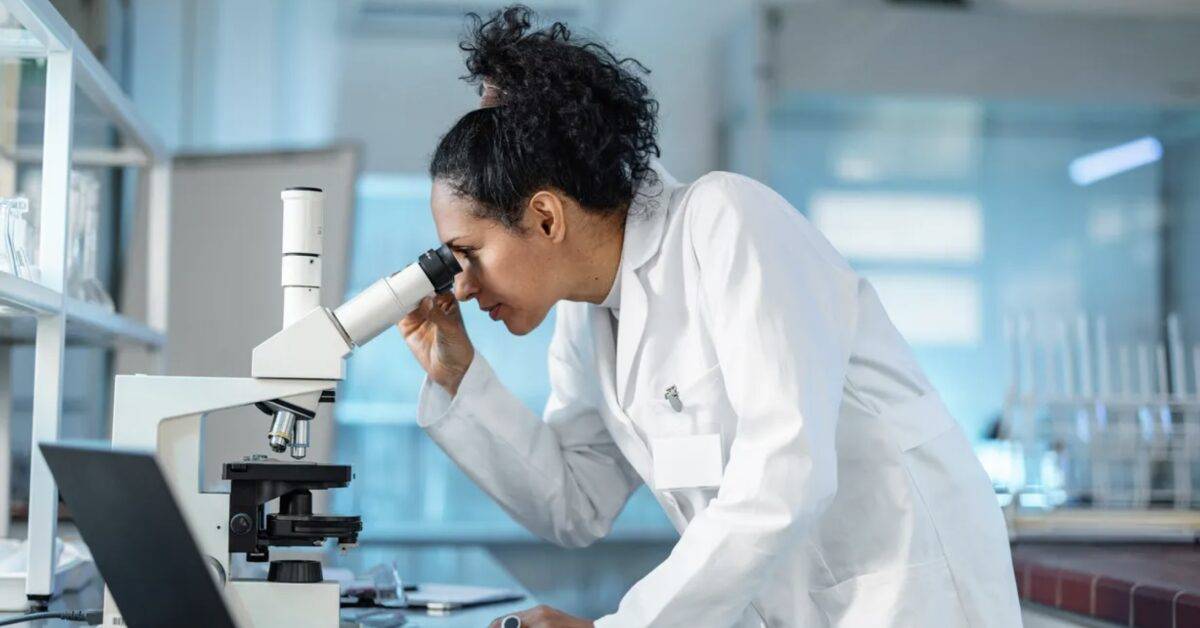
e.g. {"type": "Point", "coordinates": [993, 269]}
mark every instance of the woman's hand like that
{"type": "Point", "coordinates": [435, 333]}
{"type": "Point", "coordinates": [546, 617]}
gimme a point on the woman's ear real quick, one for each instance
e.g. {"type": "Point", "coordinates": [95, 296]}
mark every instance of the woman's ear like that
{"type": "Point", "coordinates": [547, 212]}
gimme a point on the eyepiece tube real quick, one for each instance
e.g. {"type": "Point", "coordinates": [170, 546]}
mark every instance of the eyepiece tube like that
{"type": "Point", "coordinates": [303, 226]}
{"type": "Point", "coordinates": [388, 300]}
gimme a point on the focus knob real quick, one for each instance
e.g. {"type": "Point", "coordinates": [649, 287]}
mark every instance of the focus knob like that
{"type": "Point", "coordinates": [240, 524]}
{"type": "Point", "coordinates": [295, 571]}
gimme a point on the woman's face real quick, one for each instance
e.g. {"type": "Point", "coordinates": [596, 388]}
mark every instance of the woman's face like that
{"type": "Point", "coordinates": [509, 274]}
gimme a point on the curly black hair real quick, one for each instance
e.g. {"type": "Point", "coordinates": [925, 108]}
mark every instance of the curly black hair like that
{"type": "Point", "coordinates": [570, 115]}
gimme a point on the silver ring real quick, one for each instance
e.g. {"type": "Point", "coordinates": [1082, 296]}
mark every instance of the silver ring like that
{"type": "Point", "coordinates": [510, 621]}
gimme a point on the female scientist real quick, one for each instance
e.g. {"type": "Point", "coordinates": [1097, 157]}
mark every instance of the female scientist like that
{"type": "Point", "coordinates": [709, 343]}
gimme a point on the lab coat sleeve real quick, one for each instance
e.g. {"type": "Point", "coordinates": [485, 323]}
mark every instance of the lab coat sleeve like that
{"type": "Point", "coordinates": [781, 308]}
{"type": "Point", "coordinates": [559, 475]}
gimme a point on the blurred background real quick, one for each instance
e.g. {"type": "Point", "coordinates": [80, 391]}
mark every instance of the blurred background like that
{"type": "Point", "coordinates": [1020, 179]}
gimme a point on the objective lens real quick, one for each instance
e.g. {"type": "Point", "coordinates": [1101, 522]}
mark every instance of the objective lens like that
{"type": "Point", "coordinates": [280, 435]}
{"type": "Point", "coordinates": [300, 439]}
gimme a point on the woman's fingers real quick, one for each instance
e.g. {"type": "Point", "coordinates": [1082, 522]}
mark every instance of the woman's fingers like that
{"type": "Point", "coordinates": [419, 316]}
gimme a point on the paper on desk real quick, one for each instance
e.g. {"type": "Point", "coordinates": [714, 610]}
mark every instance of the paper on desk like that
{"type": "Point", "coordinates": [435, 595]}
{"type": "Point", "coordinates": [373, 617]}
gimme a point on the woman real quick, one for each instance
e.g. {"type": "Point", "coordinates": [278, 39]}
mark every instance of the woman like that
{"type": "Point", "coordinates": [708, 343]}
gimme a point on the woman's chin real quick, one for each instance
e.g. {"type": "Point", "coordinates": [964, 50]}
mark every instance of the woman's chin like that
{"type": "Point", "coordinates": [519, 325]}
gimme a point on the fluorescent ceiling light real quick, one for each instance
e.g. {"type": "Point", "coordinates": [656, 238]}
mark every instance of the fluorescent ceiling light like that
{"type": "Point", "coordinates": [899, 226]}
{"type": "Point", "coordinates": [1099, 165]}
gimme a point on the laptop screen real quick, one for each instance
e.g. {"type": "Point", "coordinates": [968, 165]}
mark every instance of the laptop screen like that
{"type": "Point", "coordinates": [137, 535]}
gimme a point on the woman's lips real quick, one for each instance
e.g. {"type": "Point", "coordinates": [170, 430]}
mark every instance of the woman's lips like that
{"type": "Point", "coordinates": [494, 311]}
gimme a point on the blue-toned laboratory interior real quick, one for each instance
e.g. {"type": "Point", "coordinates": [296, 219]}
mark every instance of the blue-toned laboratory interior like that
{"type": "Point", "coordinates": [667, 313]}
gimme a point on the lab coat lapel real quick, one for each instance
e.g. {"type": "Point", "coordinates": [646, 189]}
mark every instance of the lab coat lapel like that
{"type": "Point", "coordinates": [643, 238]}
{"type": "Point", "coordinates": [629, 331]}
{"type": "Point", "coordinates": [631, 444]}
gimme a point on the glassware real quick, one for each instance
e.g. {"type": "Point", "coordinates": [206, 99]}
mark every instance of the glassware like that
{"type": "Point", "coordinates": [19, 233]}
{"type": "Point", "coordinates": [6, 242]}
{"type": "Point", "coordinates": [15, 233]}
{"type": "Point", "coordinates": [93, 289]}
{"type": "Point", "coordinates": [389, 587]}
{"type": "Point", "coordinates": [82, 241]}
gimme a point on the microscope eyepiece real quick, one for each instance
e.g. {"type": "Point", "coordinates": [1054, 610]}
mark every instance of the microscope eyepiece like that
{"type": "Point", "coordinates": [386, 301]}
{"type": "Point", "coordinates": [440, 267]}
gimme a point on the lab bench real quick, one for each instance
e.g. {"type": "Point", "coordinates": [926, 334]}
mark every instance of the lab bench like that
{"type": "Point", "coordinates": [1142, 585]}
{"type": "Point", "coordinates": [433, 563]}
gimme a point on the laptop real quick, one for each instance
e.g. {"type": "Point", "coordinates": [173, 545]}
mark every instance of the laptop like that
{"type": "Point", "coordinates": [128, 517]}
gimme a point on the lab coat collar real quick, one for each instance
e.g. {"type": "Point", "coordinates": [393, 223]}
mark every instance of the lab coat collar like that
{"type": "Point", "coordinates": [647, 217]}
{"type": "Point", "coordinates": [644, 228]}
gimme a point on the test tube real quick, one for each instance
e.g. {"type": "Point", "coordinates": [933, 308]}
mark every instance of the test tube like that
{"type": "Point", "coordinates": [1164, 410]}
{"type": "Point", "coordinates": [1103, 374]}
{"type": "Point", "coordinates": [1014, 357]}
{"type": "Point", "coordinates": [1085, 357]}
{"type": "Point", "coordinates": [1125, 364]}
{"type": "Point", "coordinates": [1175, 338]}
{"type": "Point", "coordinates": [1049, 373]}
{"type": "Point", "coordinates": [1196, 367]}
{"type": "Point", "coordinates": [1143, 358]}
{"type": "Point", "coordinates": [1068, 375]}
{"type": "Point", "coordinates": [1026, 350]}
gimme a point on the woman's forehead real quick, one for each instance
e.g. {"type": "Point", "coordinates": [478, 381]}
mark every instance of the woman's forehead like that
{"type": "Point", "coordinates": [455, 216]}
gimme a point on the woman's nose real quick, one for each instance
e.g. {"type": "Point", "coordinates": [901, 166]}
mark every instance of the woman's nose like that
{"type": "Point", "coordinates": [465, 288]}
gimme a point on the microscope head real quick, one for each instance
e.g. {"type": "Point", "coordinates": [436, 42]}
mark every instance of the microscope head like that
{"type": "Point", "coordinates": [314, 340]}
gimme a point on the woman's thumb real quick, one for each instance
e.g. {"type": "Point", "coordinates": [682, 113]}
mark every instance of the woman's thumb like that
{"type": "Point", "coordinates": [443, 310]}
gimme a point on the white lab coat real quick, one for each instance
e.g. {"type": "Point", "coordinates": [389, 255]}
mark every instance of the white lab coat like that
{"type": "Point", "coordinates": [847, 495]}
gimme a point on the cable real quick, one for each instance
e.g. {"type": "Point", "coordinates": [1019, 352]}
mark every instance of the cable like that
{"type": "Point", "coordinates": [93, 617]}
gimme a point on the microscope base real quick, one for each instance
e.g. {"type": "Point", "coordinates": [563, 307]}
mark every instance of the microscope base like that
{"type": "Point", "coordinates": [262, 604]}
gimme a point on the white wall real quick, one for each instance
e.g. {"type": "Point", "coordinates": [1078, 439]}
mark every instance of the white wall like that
{"type": "Point", "coordinates": [679, 41]}
{"type": "Point", "coordinates": [228, 74]}
{"type": "Point", "coordinates": [398, 97]}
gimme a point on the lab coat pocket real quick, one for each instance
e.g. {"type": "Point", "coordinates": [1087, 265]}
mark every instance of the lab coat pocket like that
{"type": "Point", "coordinates": [685, 430]}
{"type": "Point", "coordinates": [687, 461]}
{"type": "Point", "coordinates": [912, 595]}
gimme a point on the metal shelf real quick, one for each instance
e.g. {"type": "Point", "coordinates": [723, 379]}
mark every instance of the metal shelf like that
{"type": "Point", "coordinates": [28, 296]}
{"type": "Point", "coordinates": [87, 323]}
{"type": "Point", "coordinates": [40, 312]}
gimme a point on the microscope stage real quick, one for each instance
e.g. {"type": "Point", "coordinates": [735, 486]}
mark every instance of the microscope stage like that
{"type": "Point", "coordinates": [280, 471]}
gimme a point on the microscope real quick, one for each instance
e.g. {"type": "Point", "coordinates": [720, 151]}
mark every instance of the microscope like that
{"type": "Point", "coordinates": [293, 372]}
